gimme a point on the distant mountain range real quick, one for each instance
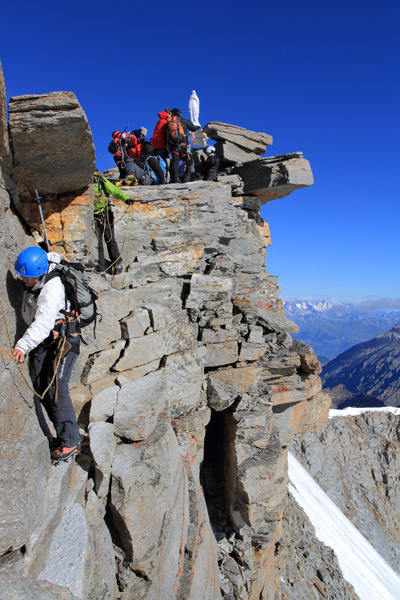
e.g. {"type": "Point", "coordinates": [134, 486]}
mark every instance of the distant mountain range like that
{"type": "Point", "coordinates": [371, 368]}
{"type": "Point", "coordinates": [330, 327]}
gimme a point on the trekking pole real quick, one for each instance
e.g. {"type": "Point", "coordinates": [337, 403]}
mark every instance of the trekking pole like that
{"type": "Point", "coordinates": [38, 198]}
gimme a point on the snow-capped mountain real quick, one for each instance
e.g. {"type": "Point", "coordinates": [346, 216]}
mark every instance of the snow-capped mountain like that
{"type": "Point", "coordinates": [333, 327]}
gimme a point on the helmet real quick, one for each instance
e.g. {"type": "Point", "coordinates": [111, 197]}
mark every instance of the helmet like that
{"type": "Point", "coordinates": [176, 112]}
{"type": "Point", "coordinates": [32, 262]}
{"type": "Point", "coordinates": [209, 149]}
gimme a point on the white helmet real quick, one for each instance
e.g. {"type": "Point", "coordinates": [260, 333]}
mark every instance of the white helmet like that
{"type": "Point", "coordinates": [209, 149]}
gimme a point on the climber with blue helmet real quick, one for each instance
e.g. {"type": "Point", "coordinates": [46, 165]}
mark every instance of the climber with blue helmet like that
{"type": "Point", "coordinates": [209, 168]}
{"type": "Point", "coordinates": [52, 340]}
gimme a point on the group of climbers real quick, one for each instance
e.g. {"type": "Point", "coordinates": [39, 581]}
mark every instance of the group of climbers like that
{"type": "Point", "coordinates": [143, 162]}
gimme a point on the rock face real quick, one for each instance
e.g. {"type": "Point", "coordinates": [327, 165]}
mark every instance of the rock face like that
{"type": "Point", "coordinates": [236, 144]}
{"type": "Point", "coordinates": [46, 153]}
{"type": "Point", "coordinates": [188, 399]}
{"type": "Point", "coordinates": [371, 368]}
{"type": "Point", "coordinates": [275, 176]}
{"type": "Point", "coordinates": [356, 461]}
{"type": "Point", "coordinates": [311, 568]}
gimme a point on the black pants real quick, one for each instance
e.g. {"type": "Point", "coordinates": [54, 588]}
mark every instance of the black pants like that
{"type": "Point", "coordinates": [104, 225]}
{"type": "Point", "coordinates": [176, 156]}
{"type": "Point", "coordinates": [57, 400]}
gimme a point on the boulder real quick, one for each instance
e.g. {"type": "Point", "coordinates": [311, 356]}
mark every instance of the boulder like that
{"type": "Point", "coordinates": [52, 143]}
{"type": "Point", "coordinates": [275, 177]}
{"type": "Point", "coordinates": [237, 144]}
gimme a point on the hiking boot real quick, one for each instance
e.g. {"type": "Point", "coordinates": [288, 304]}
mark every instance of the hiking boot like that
{"type": "Point", "coordinates": [64, 452]}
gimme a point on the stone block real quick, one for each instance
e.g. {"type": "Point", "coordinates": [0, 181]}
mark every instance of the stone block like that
{"type": "Point", "coordinates": [138, 408]}
{"type": "Point", "coordinates": [275, 177]}
{"type": "Point", "coordinates": [69, 556]}
{"type": "Point", "coordinates": [150, 509]}
{"type": "Point", "coordinates": [44, 130]}
{"type": "Point", "coordinates": [301, 417]}
{"type": "Point", "coordinates": [136, 324]}
{"type": "Point", "coordinates": [220, 395]}
{"type": "Point", "coordinates": [103, 444]}
{"type": "Point", "coordinates": [102, 579]}
{"type": "Point", "coordinates": [258, 309]}
{"type": "Point", "coordinates": [103, 404]}
{"type": "Point", "coordinates": [252, 140]}
{"type": "Point", "coordinates": [221, 354]}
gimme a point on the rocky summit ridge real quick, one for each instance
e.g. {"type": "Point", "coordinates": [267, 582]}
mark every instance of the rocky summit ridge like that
{"type": "Point", "coordinates": [188, 397]}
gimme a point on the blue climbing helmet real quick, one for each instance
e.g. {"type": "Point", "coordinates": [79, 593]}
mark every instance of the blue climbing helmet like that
{"type": "Point", "coordinates": [209, 149]}
{"type": "Point", "coordinates": [32, 262]}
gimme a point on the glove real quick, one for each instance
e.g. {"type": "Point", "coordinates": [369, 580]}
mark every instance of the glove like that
{"type": "Point", "coordinates": [129, 201]}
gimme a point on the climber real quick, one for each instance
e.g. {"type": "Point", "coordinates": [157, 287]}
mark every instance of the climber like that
{"type": "Point", "coordinates": [104, 220]}
{"type": "Point", "coordinates": [177, 143]}
{"type": "Point", "coordinates": [123, 147]}
{"type": "Point", "coordinates": [52, 339]}
{"type": "Point", "coordinates": [159, 141]}
{"type": "Point", "coordinates": [155, 166]}
{"type": "Point", "coordinates": [209, 168]}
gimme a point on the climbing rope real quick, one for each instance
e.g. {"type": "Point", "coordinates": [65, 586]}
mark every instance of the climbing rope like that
{"type": "Point", "coordinates": [61, 351]}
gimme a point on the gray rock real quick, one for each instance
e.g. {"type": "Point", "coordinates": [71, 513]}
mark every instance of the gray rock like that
{"type": "Point", "coordinates": [70, 554]}
{"type": "Point", "coordinates": [222, 354]}
{"type": "Point", "coordinates": [220, 395]}
{"type": "Point", "coordinates": [13, 587]}
{"type": "Point", "coordinates": [102, 577]}
{"type": "Point", "coordinates": [103, 404]}
{"type": "Point", "coordinates": [138, 407]}
{"type": "Point", "coordinates": [149, 503]}
{"type": "Point", "coordinates": [275, 177]}
{"type": "Point", "coordinates": [103, 444]}
{"type": "Point", "coordinates": [251, 140]}
{"type": "Point", "coordinates": [231, 154]}
{"type": "Point", "coordinates": [44, 132]}
{"type": "Point", "coordinates": [136, 324]}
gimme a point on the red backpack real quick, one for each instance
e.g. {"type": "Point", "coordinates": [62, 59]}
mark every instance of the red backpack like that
{"type": "Point", "coordinates": [176, 133]}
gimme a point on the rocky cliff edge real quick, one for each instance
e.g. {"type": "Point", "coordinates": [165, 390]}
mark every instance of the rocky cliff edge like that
{"type": "Point", "coordinates": [188, 397]}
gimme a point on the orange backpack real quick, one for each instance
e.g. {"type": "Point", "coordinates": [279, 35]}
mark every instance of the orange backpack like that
{"type": "Point", "coordinates": [176, 133]}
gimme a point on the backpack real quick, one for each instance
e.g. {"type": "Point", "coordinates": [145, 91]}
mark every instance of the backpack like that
{"type": "Point", "coordinates": [150, 171]}
{"type": "Point", "coordinates": [113, 146]}
{"type": "Point", "coordinates": [175, 131]}
{"type": "Point", "coordinates": [77, 290]}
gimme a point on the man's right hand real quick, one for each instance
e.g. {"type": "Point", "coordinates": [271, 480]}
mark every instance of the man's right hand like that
{"type": "Point", "coordinates": [18, 355]}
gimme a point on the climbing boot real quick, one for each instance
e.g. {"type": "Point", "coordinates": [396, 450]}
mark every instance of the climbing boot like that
{"type": "Point", "coordinates": [63, 453]}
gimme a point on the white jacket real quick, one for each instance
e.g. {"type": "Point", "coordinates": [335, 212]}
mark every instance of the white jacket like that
{"type": "Point", "coordinates": [42, 314]}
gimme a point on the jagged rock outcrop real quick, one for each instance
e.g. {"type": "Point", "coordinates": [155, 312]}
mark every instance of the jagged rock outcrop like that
{"type": "Point", "coordinates": [188, 397]}
{"type": "Point", "coordinates": [236, 144]}
{"type": "Point", "coordinates": [275, 176]}
{"type": "Point", "coordinates": [356, 461]}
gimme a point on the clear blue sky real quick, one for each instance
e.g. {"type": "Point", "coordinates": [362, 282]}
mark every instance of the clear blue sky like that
{"type": "Point", "coordinates": [320, 77]}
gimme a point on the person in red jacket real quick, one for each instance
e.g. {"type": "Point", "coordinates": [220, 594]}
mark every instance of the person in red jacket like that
{"type": "Point", "coordinates": [159, 141]}
{"type": "Point", "coordinates": [123, 148]}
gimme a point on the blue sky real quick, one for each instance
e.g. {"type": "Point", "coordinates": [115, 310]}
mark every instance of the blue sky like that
{"type": "Point", "coordinates": [320, 77]}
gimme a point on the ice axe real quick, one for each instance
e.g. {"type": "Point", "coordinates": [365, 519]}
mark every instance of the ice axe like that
{"type": "Point", "coordinates": [38, 198]}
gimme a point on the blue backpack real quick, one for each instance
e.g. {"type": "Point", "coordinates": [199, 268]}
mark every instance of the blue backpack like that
{"type": "Point", "coordinates": [150, 171]}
